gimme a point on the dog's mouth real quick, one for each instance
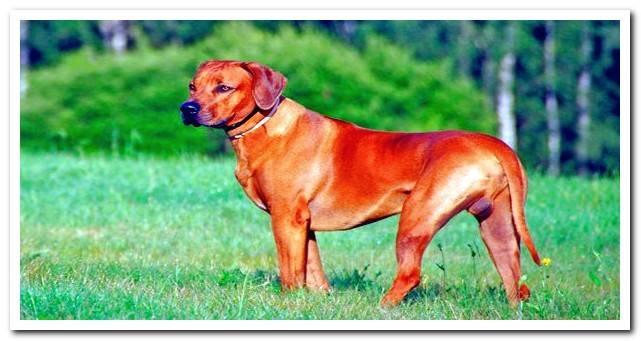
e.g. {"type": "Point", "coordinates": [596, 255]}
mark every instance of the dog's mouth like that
{"type": "Point", "coordinates": [219, 123]}
{"type": "Point", "coordinates": [197, 121]}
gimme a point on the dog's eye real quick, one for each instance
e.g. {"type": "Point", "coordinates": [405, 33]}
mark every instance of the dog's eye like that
{"type": "Point", "coordinates": [192, 87]}
{"type": "Point", "coordinates": [223, 88]}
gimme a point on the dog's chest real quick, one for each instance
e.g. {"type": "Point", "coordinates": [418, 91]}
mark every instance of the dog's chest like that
{"type": "Point", "coordinates": [246, 179]}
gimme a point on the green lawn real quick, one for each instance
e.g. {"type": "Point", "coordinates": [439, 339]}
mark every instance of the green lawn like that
{"type": "Point", "coordinates": [145, 238]}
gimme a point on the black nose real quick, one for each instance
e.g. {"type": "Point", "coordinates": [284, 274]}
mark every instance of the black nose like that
{"type": "Point", "coordinates": [190, 108]}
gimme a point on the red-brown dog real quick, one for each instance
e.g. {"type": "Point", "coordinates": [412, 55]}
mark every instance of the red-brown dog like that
{"type": "Point", "coordinates": [314, 173]}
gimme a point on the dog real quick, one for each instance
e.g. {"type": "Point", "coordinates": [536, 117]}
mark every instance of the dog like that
{"type": "Point", "coordinates": [315, 173]}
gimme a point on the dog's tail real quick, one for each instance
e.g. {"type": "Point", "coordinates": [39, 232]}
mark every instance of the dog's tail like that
{"type": "Point", "coordinates": [517, 184]}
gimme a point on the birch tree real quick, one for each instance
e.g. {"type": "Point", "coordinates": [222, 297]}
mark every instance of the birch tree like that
{"type": "Point", "coordinates": [115, 35]}
{"type": "Point", "coordinates": [505, 95]}
{"type": "Point", "coordinates": [582, 100]}
{"type": "Point", "coordinates": [551, 104]}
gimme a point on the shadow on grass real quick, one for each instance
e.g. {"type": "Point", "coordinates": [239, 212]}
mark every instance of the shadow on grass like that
{"type": "Point", "coordinates": [462, 292]}
{"type": "Point", "coordinates": [236, 276]}
{"type": "Point", "coordinates": [355, 280]}
{"type": "Point", "coordinates": [339, 280]}
{"type": "Point", "coordinates": [362, 281]}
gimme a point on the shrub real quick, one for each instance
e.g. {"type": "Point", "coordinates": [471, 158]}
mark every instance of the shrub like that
{"type": "Point", "coordinates": [129, 103]}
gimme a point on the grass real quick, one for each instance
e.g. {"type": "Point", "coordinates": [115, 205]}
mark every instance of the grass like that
{"type": "Point", "coordinates": [106, 237]}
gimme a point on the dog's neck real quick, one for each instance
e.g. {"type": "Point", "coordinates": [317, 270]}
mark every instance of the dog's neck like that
{"type": "Point", "coordinates": [277, 123]}
{"type": "Point", "coordinates": [253, 121]}
{"type": "Point", "coordinates": [280, 123]}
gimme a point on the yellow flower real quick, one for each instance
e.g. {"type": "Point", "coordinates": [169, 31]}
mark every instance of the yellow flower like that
{"type": "Point", "coordinates": [546, 261]}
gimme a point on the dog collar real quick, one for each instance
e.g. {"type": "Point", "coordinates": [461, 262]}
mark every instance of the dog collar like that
{"type": "Point", "coordinates": [259, 124]}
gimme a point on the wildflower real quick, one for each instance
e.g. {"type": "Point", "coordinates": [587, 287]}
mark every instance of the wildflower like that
{"type": "Point", "coordinates": [546, 261]}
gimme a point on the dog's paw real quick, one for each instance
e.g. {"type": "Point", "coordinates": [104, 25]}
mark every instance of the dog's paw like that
{"type": "Point", "coordinates": [524, 292]}
{"type": "Point", "coordinates": [389, 302]}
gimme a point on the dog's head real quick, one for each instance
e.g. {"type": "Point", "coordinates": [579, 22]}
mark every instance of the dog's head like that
{"type": "Point", "coordinates": [222, 92]}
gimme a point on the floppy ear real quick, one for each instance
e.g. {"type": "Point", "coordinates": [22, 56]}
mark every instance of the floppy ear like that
{"type": "Point", "coordinates": [267, 84]}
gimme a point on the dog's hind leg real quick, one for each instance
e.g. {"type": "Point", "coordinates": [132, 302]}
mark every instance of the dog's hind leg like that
{"type": "Point", "coordinates": [502, 242]}
{"type": "Point", "coordinates": [315, 277]}
{"type": "Point", "coordinates": [426, 210]}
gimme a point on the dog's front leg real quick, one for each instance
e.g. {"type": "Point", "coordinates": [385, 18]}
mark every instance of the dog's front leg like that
{"type": "Point", "coordinates": [315, 276]}
{"type": "Point", "coordinates": [290, 227]}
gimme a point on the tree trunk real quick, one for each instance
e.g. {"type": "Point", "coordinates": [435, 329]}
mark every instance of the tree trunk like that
{"type": "Point", "coordinates": [505, 96]}
{"type": "Point", "coordinates": [583, 101]}
{"type": "Point", "coordinates": [24, 56]}
{"type": "Point", "coordinates": [115, 35]}
{"type": "Point", "coordinates": [551, 104]}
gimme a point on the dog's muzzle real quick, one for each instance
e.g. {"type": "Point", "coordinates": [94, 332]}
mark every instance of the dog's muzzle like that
{"type": "Point", "coordinates": [189, 111]}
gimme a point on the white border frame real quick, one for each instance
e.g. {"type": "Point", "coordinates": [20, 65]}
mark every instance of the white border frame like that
{"type": "Point", "coordinates": [623, 16]}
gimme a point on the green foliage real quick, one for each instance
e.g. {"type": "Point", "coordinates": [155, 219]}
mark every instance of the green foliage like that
{"type": "Point", "coordinates": [163, 32]}
{"type": "Point", "coordinates": [105, 103]}
{"type": "Point", "coordinates": [130, 103]}
{"type": "Point", "coordinates": [48, 40]}
{"type": "Point", "coordinates": [604, 95]}
{"type": "Point", "coordinates": [175, 238]}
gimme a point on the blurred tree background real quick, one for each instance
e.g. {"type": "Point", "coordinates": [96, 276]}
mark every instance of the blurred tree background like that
{"type": "Point", "coordinates": [549, 89]}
